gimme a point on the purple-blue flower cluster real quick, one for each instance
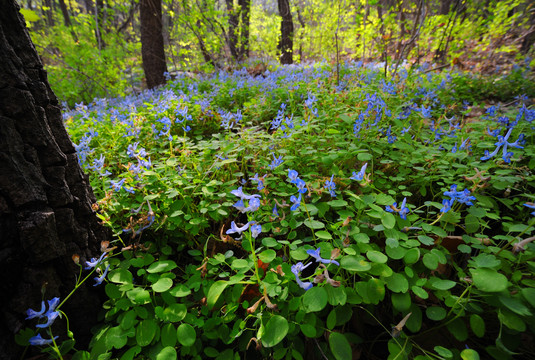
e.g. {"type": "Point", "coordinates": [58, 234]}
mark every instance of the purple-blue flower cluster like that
{"type": "Point", "coordinates": [463, 197]}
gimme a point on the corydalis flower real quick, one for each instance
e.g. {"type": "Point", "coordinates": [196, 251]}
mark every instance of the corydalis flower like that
{"type": "Point", "coordinates": [236, 229]}
{"type": "Point", "coordinates": [316, 255]}
{"type": "Point", "coordinates": [360, 175]}
{"type": "Point", "coordinates": [36, 314]}
{"type": "Point", "coordinates": [296, 269]}
{"type": "Point", "coordinates": [239, 193]}
{"type": "Point", "coordinates": [100, 279]}
{"type": "Point", "coordinates": [296, 202]}
{"type": "Point", "coordinates": [531, 206]}
{"type": "Point", "coordinates": [51, 314]}
{"type": "Point", "coordinates": [94, 262]}
{"type": "Point", "coordinates": [39, 341]}
{"type": "Point", "coordinates": [256, 230]}
{"type": "Point", "coordinates": [402, 211]}
{"type": "Point", "coordinates": [502, 141]}
{"type": "Point", "coordinates": [330, 186]}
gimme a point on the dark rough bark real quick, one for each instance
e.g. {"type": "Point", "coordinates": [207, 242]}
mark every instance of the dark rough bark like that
{"type": "Point", "coordinates": [287, 32]}
{"type": "Point", "coordinates": [245, 13]}
{"type": "Point", "coordinates": [152, 51]}
{"type": "Point", "coordinates": [233, 20]}
{"type": "Point", "coordinates": [46, 202]}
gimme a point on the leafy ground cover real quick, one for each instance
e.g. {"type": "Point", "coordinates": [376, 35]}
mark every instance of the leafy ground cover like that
{"type": "Point", "coordinates": [292, 215]}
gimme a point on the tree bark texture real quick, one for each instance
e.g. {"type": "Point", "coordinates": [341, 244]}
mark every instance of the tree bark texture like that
{"type": "Point", "coordinates": [287, 32]}
{"type": "Point", "coordinates": [245, 13]}
{"type": "Point", "coordinates": [152, 51]}
{"type": "Point", "coordinates": [46, 212]}
{"type": "Point", "coordinates": [233, 21]}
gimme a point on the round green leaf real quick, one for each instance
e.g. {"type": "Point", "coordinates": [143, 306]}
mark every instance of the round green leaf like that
{"type": "Point", "coordinates": [315, 299]}
{"type": "Point", "coordinates": [441, 284]}
{"type": "Point", "coordinates": [163, 284]}
{"type": "Point", "coordinates": [402, 301]}
{"type": "Point", "coordinates": [175, 312]}
{"type": "Point", "coordinates": [267, 256]}
{"type": "Point", "coordinates": [418, 291]}
{"type": "Point", "coordinates": [430, 261]}
{"type": "Point", "coordinates": [180, 290]}
{"type": "Point", "coordinates": [167, 353]}
{"type": "Point", "coordinates": [115, 337]}
{"type": "Point", "coordinates": [324, 235]}
{"type": "Point", "coordinates": [377, 257]}
{"type": "Point", "coordinates": [478, 325]}
{"type": "Point", "coordinates": [339, 346]}
{"type": "Point", "coordinates": [186, 334]}
{"type": "Point", "coordinates": [168, 335]}
{"type": "Point", "coordinates": [314, 224]}
{"type": "Point", "coordinates": [274, 331]}
{"type": "Point", "coordinates": [145, 332]}
{"type": "Point", "coordinates": [161, 266]}
{"type": "Point", "coordinates": [412, 256]}
{"type": "Point", "coordinates": [435, 313]}
{"type": "Point", "coordinates": [355, 263]}
{"type": "Point", "coordinates": [120, 276]}
{"type": "Point", "coordinates": [488, 280]}
{"type": "Point", "coordinates": [128, 320]}
{"type": "Point", "coordinates": [397, 283]}
{"type": "Point", "coordinates": [388, 220]}
{"type": "Point", "coordinates": [469, 354]}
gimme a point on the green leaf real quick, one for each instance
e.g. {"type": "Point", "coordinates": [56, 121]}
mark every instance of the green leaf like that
{"type": "Point", "coordinates": [180, 290]}
{"type": "Point", "coordinates": [145, 332]}
{"type": "Point", "coordinates": [167, 353]}
{"type": "Point", "coordinates": [186, 334]}
{"type": "Point", "coordinates": [458, 329]}
{"type": "Point", "coordinates": [355, 263]}
{"type": "Point", "coordinates": [377, 257]}
{"type": "Point", "coordinates": [161, 266]}
{"type": "Point", "coordinates": [267, 256]}
{"type": "Point", "coordinates": [324, 235]}
{"type": "Point", "coordinates": [397, 283]}
{"type": "Point", "coordinates": [430, 261]}
{"type": "Point", "coordinates": [215, 291]}
{"type": "Point", "coordinates": [388, 220]}
{"type": "Point", "coordinates": [120, 276]}
{"type": "Point", "coordinates": [401, 302]}
{"type": "Point", "coordinates": [511, 320]}
{"type": "Point", "coordinates": [131, 353]}
{"type": "Point", "coordinates": [411, 256]}
{"type": "Point", "coordinates": [175, 312]}
{"type": "Point", "coordinates": [163, 284]}
{"type": "Point", "coordinates": [471, 223]}
{"type": "Point", "coordinates": [314, 224]}
{"type": "Point", "coordinates": [128, 320]}
{"type": "Point", "coordinates": [442, 351]}
{"type": "Point", "coordinates": [515, 305]}
{"type": "Point", "coordinates": [315, 299]}
{"type": "Point", "coordinates": [426, 240]}
{"type": "Point", "coordinates": [29, 15]}
{"type": "Point", "coordinates": [115, 337]}
{"type": "Point", "coordinates": [168, 335]}
{"type": "Point", "coordinates": [488, 280]}
{"type": "Point", "coordinates": [469, 354]}
{"type": "Point", "coordinates": [529, 295]}
{"type": "Point", "coordinates": [275, 330]}
{"type": "Point", "coordinates": [435, 313]}
{"type": "Point", "coordinates": [477, 324]}
{"type": "Point", "coordinates": [339, 346]}
{"type": "Point", "coordinates": [440, 284]}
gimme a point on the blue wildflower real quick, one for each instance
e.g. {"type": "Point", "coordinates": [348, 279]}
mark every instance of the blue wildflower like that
{"type": "Point", "coordinates": [236, 229]}
{"type": "Point", "coordinates": [296, 202]}
{"type": "Point", "coordinates": [34, 314]}
{"type": "Point", "coordinates": [256, 230]}
{"type": "Point", "coordinates": [38, 340]}
{"type": "Point", "coordinates": [292, 176]}
{"type": "Point", "coordinates": [100, 279]}
{"type": "Point", "coordinates": [330, 186]}
{"type": "Point", "coordinates": [296, 269]}
{"type": "Point", "coordinates": [239, 192]}
{"type": "Point", "coordinates": [531, 206]}
{"type": "Point", "coordinates": [316, 255]}
{"type": "Point", "coordinates": [94, 262]}
{"type": "Point", "coordinates": [361, 173]}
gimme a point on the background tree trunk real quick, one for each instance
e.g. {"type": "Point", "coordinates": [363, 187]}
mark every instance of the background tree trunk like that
{"type": "Point", "coordinates": [287, 32]}
{"type": "Point", "coordinates": [152, 51]}
{"type": "Point", "coordinates": [233, 19]}
{"type": "Point", "coordinates": [46, 202]}
{"type": "Point", "coordinates": [245, 13]}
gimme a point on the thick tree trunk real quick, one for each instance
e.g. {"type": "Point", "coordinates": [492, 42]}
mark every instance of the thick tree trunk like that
{"type": "Point", "coordinates": [152, 51]}
{"type": "Point", "coordinates": [46, 202]}
{"type": "Point", "coordinates": [287, 32]}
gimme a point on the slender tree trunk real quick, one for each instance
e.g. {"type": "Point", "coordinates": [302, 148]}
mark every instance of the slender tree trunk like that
{"type": "Point", "coordinates": [97, 12]}
{"type": "Point", "coordinates": [46, 212]}
{"type": "Point", "coordinates": [287, 32]}
{"type": "Point", "coordinates": [48, 13]}
{"type": "Point", "coordinates": [67, 18]}
{"type": "Point", "coordinates": [445, 6]}
{"type": "Point", "coordinates": [152, 51]}
{"type": "Point", "coordinates": [233, 20]}
{"type": "Point", "coordinates": [245, 13]}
